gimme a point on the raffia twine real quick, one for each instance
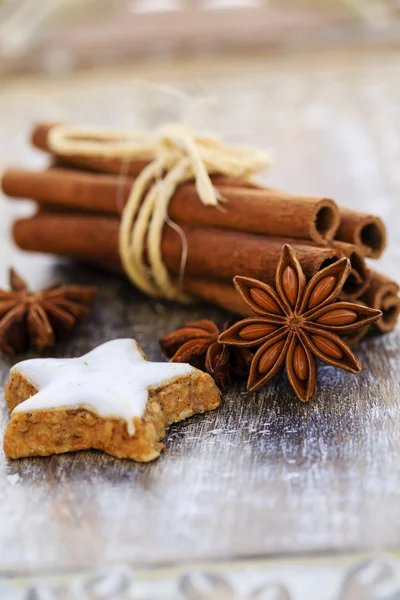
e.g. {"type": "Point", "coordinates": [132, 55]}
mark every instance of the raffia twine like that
{"type": "Point", "coordinates": [176, 154]}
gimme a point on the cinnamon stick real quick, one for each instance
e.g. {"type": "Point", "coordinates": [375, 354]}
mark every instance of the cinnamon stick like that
{"type": "Point", "coordinates": [366, 231]}
{"type": "Point", "coordinates": [212, 253]}
{"type": "Point", "coordinates": [362, 229]}
{"type": "Point", "coordinates": [383, 293]}
{"type": "Point", "coordinates": [106, 165]}
{"type": "Point", "coordinates": [222, 294]}
{"type": "Point", "coordinates": [244, 208]}
{"type": "Point", "coordinates": [357, 336]}
{"type": "Point", "coordinates": [359, 278]}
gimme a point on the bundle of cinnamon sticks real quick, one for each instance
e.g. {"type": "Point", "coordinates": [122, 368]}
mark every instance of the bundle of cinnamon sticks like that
{"type": "Point", "coordinates": [80, 200]}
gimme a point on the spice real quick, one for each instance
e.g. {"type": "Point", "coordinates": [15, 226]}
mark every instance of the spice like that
{"type": "Point", "coordinates": [251, 209]}
{"type": "Point", "coordinates": [298, 323]}
{"type": "Point", "coordinates": [197, 343]}
{"type": "Point", "coordinates": [33, 320]}
{"type": "Point", "coordinates": [368, 232]}
{"type": "Point", "coordinates": [213, 253]}
{"type": "Point", "coordinates": [383, 294]}
{"type": "Point", "coordinates": [81, 198]}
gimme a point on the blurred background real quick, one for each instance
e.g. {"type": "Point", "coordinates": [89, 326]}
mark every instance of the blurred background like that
{"type": "Point", "coordinates": [60, 35]}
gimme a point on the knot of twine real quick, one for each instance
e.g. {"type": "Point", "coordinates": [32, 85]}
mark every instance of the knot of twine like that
{"type": "Point", "coordinates": [176, 154]}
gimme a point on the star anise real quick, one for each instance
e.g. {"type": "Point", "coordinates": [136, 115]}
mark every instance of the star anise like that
{"type": "Point", "coordinates": [197, 343]}
{"type": "Point", "coordinates": [33, 320]}
{"type": "Point", "coordinates": [297, 323]}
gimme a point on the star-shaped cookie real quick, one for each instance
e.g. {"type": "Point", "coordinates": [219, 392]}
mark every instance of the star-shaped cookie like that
{"type": "Point", "coordinates": [111, 399]}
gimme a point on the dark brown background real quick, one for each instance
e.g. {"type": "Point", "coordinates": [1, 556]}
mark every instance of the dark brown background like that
{"type": "Point", "coordinates": [264, 475]}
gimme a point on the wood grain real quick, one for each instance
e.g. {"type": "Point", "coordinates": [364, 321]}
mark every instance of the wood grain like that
{"type": "Point", "coordinates": [264, 475]}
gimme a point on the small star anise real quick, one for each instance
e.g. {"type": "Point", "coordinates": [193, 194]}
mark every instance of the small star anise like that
{"type": "Point", "coordinates": [197, 343]}
{"type": "Point", "coordinates": [298, 323]}
{"type": "Point", "coordinates": [33, 320]}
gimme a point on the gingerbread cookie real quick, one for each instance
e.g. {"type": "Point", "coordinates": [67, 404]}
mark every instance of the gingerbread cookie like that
{"type": "Point", "coordinates": [111, 399]}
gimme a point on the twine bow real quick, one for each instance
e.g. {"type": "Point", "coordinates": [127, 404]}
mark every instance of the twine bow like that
{"type": "Point", "coordinates": [176, 154]}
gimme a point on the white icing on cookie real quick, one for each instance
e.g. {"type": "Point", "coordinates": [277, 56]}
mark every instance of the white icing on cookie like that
{"type": "Point", "coordinates": [111, 380]}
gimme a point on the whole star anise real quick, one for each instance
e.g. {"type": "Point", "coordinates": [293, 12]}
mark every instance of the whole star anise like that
{"type": "Point", "coordinates": [33, 320]}
{"type": "Point", "coordinates": [297, 323]}
{"type": "Point", "coordinates": [197, 343]}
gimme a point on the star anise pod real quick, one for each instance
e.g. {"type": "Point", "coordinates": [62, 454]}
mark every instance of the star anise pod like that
{"type": "Point", "coordinates": [298, 323]}
{"type": "Point", "coordinates": [33, 320]}
{"type": "Point", "coordinates": [197, 343]}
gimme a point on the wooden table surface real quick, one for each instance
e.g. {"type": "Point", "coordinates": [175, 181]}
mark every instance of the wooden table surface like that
{"type": "Point", "coordinates": [264, 475]}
